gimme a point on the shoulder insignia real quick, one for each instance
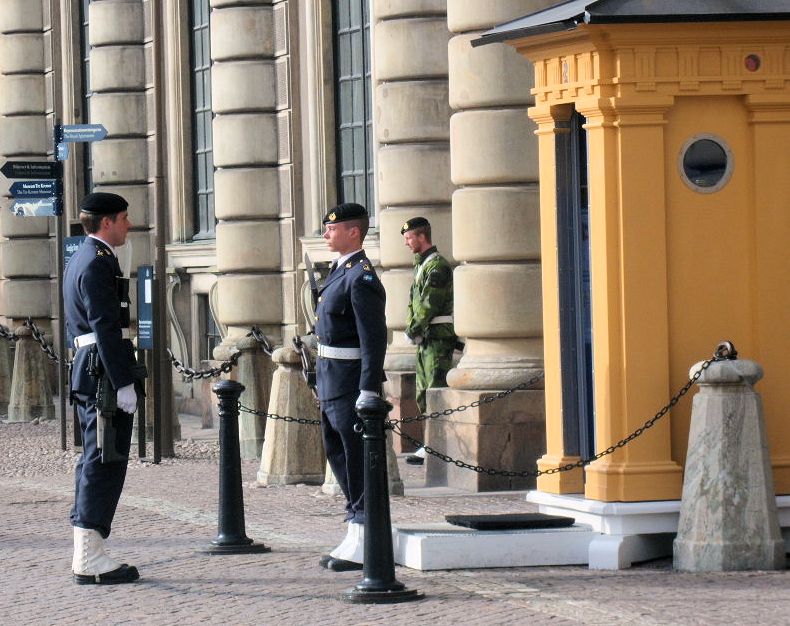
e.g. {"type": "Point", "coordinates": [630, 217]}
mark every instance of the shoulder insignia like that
{"type": "Point", "coordinates": [101, 252]}
{"type": "Point", "coordinates": [348, 266]}
{"type": "Point", "coordinates": [368, 277]}
{"type": "Point", "coordinates": [366, 267]}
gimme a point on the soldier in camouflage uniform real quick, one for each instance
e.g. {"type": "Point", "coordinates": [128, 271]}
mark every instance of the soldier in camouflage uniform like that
{"type": "Point", "coordinates": [429, 323]}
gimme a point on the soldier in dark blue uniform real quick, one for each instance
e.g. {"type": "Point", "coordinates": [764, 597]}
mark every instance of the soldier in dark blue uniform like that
{"type": "Point", "coordinates": [352, 339]}
{"type": "Point", "coordinates": [97, 321]}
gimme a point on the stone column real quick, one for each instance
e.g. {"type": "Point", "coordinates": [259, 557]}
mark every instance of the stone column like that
{"type": "Point", "coordinates": [412, 123]}
{"type": "Point", "coordinates": [495, 236]}
{"type": "Point", "coordinates": [25, 255]}
{"type": "Point", "coordinates": [251, 139]}
{"type": "Point", "coordinates": [6, 373]}
{"type": "Point", "coordinates": [728, 518]}
{"type": "Point", "coordinates": [292, 453]}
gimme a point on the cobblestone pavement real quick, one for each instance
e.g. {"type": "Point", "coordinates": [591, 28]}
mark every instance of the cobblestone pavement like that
{"type": "Point", "coordinates": [169, 511]}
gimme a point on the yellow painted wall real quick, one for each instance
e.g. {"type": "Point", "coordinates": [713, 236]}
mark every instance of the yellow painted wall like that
{"type": "Point", "coordinates": [674, 271]}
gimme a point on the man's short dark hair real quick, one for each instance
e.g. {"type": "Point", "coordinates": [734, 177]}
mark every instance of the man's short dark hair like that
{"type": "Point", "coordinates": [423, 230]}
{"type": "Point", "coordinates": [92, 223]}
{"type": "Point", "coordinates": [363, 223]}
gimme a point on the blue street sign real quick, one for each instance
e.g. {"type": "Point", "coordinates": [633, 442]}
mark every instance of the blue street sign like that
{"type": "Point", "coordinates": [83, 132]}
{"type": "Point", "coordinates": [70, 246]}
{"type": "Point", "coordinates": [36, 207]}
{"type": "Point", "coordinates": [145, 307]}
{"type": "Point", "coordinates": [34, 188]}
{"type": "Point", "coordinates": [63, 151]}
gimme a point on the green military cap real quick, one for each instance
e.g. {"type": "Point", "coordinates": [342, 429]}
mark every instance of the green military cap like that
{"type": "Point", "coordinates": [103, 203]}
{"type": "Point", "coordinates": [415, 222]}
{"type": "Point", "coordinates": [344, 212]}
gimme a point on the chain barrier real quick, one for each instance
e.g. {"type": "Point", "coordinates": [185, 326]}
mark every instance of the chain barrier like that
{"type": "Point", "coordinates": [274, 416]}
{"type": "Point", "coordinates": [225, 367]}
{"type": "Point", "coordinates": [487, 400]}
{"type": "Point", "coordinates": [38, 335]}
{"type": "Point", "coordinates": [8, 335]}
{"type": "Point", "coordinates": [724, 351]}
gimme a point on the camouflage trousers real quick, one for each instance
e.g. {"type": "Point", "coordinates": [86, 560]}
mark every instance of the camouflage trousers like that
{"type": "Point", "coordinates": [434, 360]}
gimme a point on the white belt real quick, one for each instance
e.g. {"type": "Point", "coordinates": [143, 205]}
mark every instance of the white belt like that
{"type": "Point", "coordinates": [442, 319]}
{"type": "Point", "coordinates": [90, 338]}
{"type": "Point", "coordinates": [346, 354]}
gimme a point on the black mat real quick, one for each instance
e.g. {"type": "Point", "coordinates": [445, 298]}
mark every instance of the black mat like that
{"type": "Point", "coordinates": [510, 521]}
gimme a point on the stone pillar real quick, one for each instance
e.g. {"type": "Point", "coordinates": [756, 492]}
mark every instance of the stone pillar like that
{"type": "Point", "coordinates": [412, 123]}
{"type": "Point", "coordinates": [728, 517]}
{"type": "Point", "coordinates": [292, 453]}
{"type": "Point", "coordinates": [6, 373]}
{"type": "Point", "coordinates": [31, 392]}
{"type": "Point", "coordinates": [495, 235]}
{"type": "Point", "coordinates": [252, 139]}
{"type": "Point", "coordinates": [25, 255]}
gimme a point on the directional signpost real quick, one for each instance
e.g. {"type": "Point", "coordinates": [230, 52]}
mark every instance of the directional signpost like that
{"type": "Point", "coordinates": [32, 169]}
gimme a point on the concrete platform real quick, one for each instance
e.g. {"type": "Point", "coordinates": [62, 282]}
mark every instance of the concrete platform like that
{"type": "Point", "coordinates": [445, 546]}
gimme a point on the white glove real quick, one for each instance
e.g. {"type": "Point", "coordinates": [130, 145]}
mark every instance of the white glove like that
{"type": "Point", "coordinates": [365, 394]}
{"type": "Point", "coordinates": [127, 399]}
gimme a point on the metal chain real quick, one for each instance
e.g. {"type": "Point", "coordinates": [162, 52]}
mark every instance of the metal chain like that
{"type": "Point", "coordinates": [720, 355]}
{"type": "Point", "coordinates": [8, 335]}
{"type": "Point", "coordinates": [274, 416]}
{"type": "Point", "coordinates": [225, 367]}
{"type": "Point", "coordinates": [472, 405]}
{"type": "Point", "coordinates": [38, 335]}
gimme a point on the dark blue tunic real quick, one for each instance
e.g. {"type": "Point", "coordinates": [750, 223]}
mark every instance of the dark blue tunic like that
{"type": "Point", "coordinates": [350, 314]}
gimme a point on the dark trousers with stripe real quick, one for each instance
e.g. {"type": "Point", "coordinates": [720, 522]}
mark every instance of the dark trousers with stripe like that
{"type": "Point", "coordinates": [97, 485]}
{"type": "Point", "coordinates": [344, 451]}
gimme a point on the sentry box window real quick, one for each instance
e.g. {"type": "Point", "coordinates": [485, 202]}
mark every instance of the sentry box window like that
{"type": "Point", "coordinates": [706, 163]}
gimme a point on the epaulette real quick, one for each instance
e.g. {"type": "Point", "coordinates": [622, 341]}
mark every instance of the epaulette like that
{"type": "Point", "coordinates": [366, 265]}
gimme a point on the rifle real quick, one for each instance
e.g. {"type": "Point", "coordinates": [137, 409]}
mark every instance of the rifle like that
{"type": "Point", "coordinates": [313, 289]}
{"type": "Point", "coordinates": [106, 407]}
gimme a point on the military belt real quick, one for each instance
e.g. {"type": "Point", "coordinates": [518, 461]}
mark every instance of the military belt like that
{"type": "Point", "coordinates": [442, 319]}
{"type": "Point", "coordinates": [345, 354]}
{"type": "Point", "coordinates": [90, 338]}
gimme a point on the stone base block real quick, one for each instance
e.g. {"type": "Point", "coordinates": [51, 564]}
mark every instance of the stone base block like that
{"type": "Point", "coordinates": [508, 434]}
{"type": "Point", "coordinates": [400, 391]}
{"type": "Point", "coordinates": [31, 391]}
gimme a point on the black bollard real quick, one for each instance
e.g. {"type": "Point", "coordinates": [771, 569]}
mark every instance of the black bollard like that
{"type": "Point", "coordinates": [231, 536]}
{"type": "Point", "coordinates": [379, 585]}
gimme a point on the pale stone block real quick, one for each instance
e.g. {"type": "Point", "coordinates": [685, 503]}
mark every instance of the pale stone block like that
{"type": "Point", "coordinates": [245, 139]}
{"type": "Point", "coordinates": [104, 65]}
{"type": "Point", "coordinates": [6, 373]}
{"type": "Point", "coordinates": [13, 226]}
{"type": "Point", "coordinates": [292, 453]}
{"type": "Point", "coordinates": [255, 370]}
{"type": "Point", "coordinates": [488, 75]}
{"type": "Point", "coordinates": [31, 391]}
{"type": "Point", "coordinates": [425, 39]}
{"type": "Point", "coordinates": [244, 193]}
{"type": "Point", "coordinates": [22, 298]}
{"type": "Point", "coordinates": [412, 111]}
{"type": "Point", "coordinates": [505, 434]}
{"type": "Point", "coordinates": [21, 15]}
{"type": "Point", "coordinates": [22, 53]}
{"type": "Point", "coordinates": [493, 146]}
{"type": "Point", "coordinates": [120, 113]}
{"type": "Point", "coordinates": [24, 135]}
{"type": "Point", "coordinates": [400, 391]}
{"type": "Point", "coordinates": [498, 363]}
{"type": "Point", "coordinates": [243, 86]}
{"type": "Point", "coordinates": [242, 33]}
{"type": "Point", "coordinates": [139, 199]}
{"type": "Point", "coordinates": [394, 482]}
{"type": "Point", "coordinates": [407, 8]}
{"type": "Point", "coordinates": [514, 210]}
{"type": "Point", "coordinates": [397, 283]}
{"type": "Point", "coordinates": [231, 3]}
{"type": "Point", "coordinates": [414, 174]}
{"type": "Point", "coordinates": [248, 246]}
{"type": "Point", "coordinates": [139, 244]}
{"type": "Point", "coordinates": [26, 258]}
{"type": "Point", "coordinates": [464, 15]}
{"type": "Point", "coordinates": [116, 22]}
{"type": "Point", "coordinates": [330, 487]}
{"type": "Point", "coordinates": [22, 93]}
{"type": "Point", "coordinates": [516, 290]}
{"type": "Point", "coordinates": [394, 252]}
{"type": "Point", "coordinates": [120, 161]}
{"type": "Point", "coordinates": [250, 299]}
{"type": "Point", "coordinates": [401, 354]}
{"type": "Point", "coordinates": [728, 516]}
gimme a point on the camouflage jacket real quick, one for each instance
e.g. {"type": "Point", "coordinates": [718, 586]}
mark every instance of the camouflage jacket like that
{"type": "Point", "coordinates": [431, 297]}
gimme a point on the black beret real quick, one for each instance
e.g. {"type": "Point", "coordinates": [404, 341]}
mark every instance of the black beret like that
{"type": "Point", "coordinates": [103, 203]}
{"type": "Point", "coordinates": [344, 212]}
{"type": "Point", "coordinates": [415, 222]}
